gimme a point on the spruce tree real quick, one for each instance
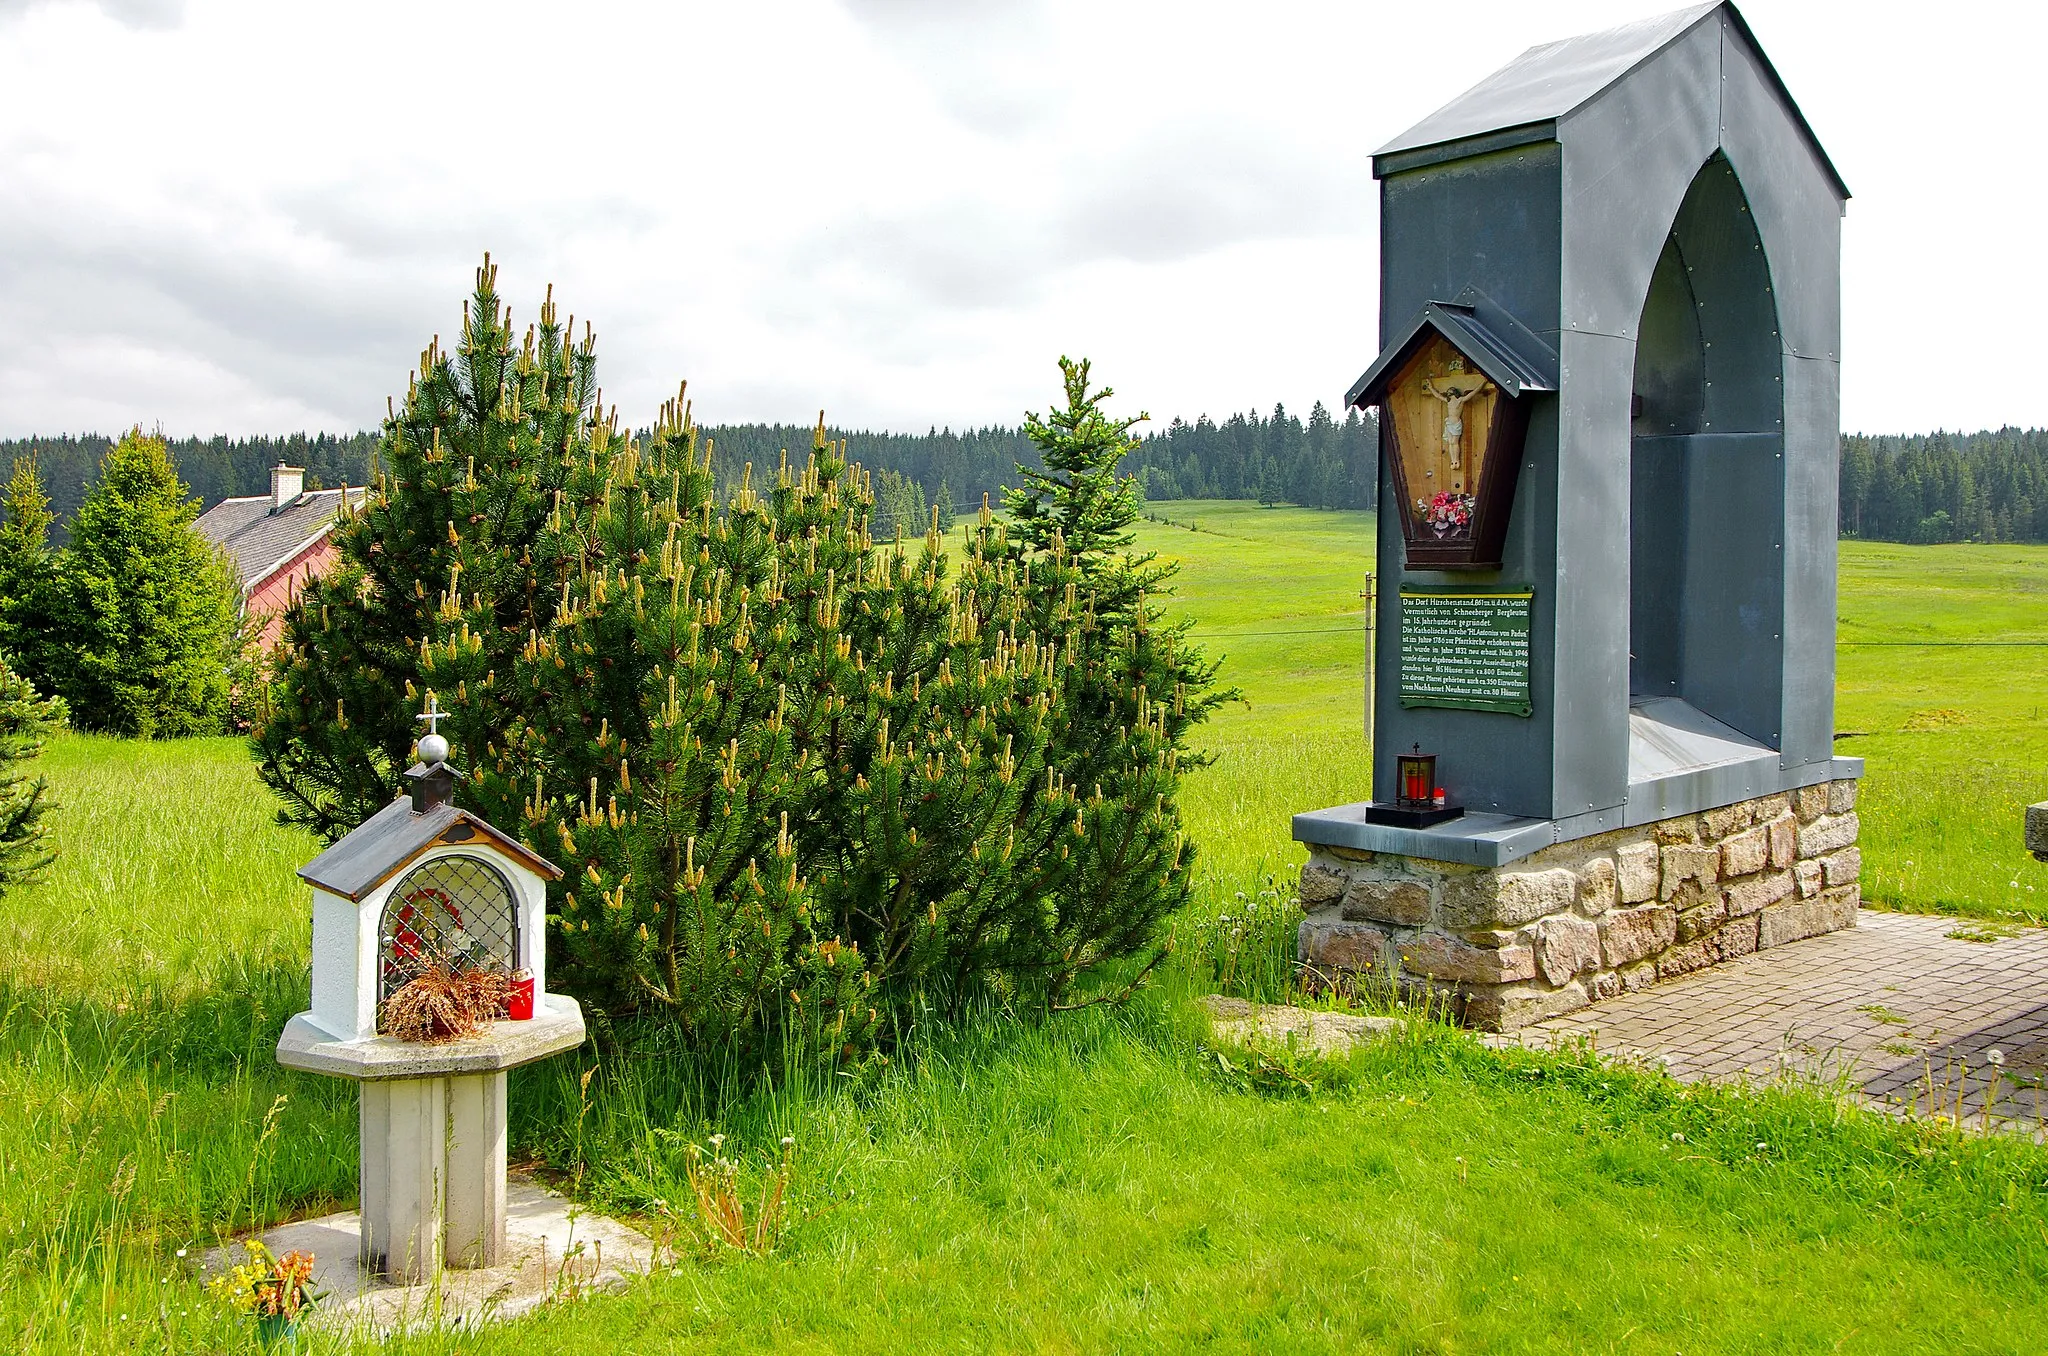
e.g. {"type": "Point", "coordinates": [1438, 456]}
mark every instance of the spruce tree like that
{"type": "Point", "coordinates": [26, 719]}
{"type": "Point", "coordinates": [31, 583]}
{"type": "Point", "coordinates": [495, 439]}
{"type": "Point", "coordinates": [1136, 689]}
{"type": "Point", "coordinates": [150, 624]}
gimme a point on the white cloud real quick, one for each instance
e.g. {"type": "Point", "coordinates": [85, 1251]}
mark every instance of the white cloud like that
{"type": "Point", "coordinates": [230, 216]}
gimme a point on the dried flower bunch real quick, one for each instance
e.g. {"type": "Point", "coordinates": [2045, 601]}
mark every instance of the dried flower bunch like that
{"type": "Point", "coordinates": [444, 1004]}
{"type": "Point", "coordinates": [268, 1286]}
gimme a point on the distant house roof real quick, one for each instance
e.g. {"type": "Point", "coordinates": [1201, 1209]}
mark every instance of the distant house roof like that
{"type": "Point", "coordinates": [262, 538]}
{"type": "Point", "coordinates": [1523, 101]}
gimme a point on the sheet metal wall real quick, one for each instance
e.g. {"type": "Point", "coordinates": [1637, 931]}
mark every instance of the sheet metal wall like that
{"type": "Point", "coordinates": [1566, 235]}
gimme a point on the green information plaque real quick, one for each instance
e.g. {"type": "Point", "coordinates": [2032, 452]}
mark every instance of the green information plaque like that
{"type": "Point", "coordinates": [1464, 648]}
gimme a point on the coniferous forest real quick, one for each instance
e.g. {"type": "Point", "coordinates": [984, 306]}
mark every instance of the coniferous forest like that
{"type": "Point", "coordinates": [1990, 486]}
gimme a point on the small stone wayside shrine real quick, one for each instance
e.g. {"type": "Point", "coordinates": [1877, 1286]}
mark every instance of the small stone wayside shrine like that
{"type": "Point", "coordinates": [423, 883]}
{"type": "Point", "coordinates": [1603, 721]}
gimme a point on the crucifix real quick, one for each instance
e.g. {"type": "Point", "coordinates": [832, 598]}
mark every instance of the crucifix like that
{"type": "Point", "coordinates": [1455, 388]}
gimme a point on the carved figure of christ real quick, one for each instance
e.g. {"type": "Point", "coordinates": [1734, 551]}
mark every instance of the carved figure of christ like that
{"type": "Point", "coordinates": [1455, 390]}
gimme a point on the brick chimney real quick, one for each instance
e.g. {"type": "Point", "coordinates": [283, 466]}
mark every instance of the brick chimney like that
{"type": "Point", "coordinates": [285, 484]}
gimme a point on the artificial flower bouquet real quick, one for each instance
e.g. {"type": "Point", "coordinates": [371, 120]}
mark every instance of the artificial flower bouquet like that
{"type": "Point", "coordinates": [1448, 513]}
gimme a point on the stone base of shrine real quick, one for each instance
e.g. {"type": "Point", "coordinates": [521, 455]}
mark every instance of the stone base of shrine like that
{"type": "Point", "coordinates": [1587, 919]}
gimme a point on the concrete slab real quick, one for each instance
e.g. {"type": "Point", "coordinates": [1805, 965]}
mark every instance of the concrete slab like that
{"type": "Point", "coordinates": [553, 1250]}
{"type": "Point", "coordinates": [1313, 1032]}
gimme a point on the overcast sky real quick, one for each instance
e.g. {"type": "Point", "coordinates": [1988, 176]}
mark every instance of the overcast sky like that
{"type": "Point", "coordinates": [250, 217]}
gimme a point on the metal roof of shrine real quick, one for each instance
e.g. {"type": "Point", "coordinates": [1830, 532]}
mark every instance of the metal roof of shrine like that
{"type": "Point", "coordinates": [392, 839]}
{"type": "Point", "coordinates": [1523, 101]}
{"type": "Point", "coordinates": [1501, 347]}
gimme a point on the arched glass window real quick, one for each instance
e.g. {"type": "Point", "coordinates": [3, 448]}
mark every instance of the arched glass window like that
{"type": "Point", "coordinates": [457, 911]}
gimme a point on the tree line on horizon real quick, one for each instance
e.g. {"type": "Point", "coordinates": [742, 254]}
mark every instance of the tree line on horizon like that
{"type": "Point", "coordinates": [1989, 486]}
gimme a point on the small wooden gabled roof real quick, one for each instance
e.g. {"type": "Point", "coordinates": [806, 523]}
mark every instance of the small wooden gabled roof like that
{"type": "Point", "coordinates": [392, 839]}
{"type": "Point", "coordinates": [1511, 355]}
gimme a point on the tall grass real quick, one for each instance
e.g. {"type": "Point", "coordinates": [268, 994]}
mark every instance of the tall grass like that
{"type": "Point", "coordinates": [142, 990]}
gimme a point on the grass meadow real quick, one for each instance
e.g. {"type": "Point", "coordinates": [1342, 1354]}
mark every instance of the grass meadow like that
{"type": "Point", "coordinates": [1103, 1180]}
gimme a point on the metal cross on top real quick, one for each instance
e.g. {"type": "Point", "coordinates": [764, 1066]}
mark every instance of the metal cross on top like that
{"type": "Point", "coordinates": [433, 745]}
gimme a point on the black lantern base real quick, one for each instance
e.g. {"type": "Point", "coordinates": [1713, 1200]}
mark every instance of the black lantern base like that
{"type": "Point", "coordinates": [1410, 817]}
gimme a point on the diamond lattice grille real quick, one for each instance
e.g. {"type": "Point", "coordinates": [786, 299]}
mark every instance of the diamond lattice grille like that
{"type": "Point", "coordinates": [453, 911]}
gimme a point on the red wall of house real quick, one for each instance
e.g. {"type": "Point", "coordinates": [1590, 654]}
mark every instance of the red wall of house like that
{"type": "Point", "coordinates": [268, 600]}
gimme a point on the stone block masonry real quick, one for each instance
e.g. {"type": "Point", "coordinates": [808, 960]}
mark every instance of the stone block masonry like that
{"type": "Point", "coordinates": [1591, 918]}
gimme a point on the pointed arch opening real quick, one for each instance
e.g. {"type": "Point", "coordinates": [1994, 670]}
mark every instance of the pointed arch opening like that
{"type": "Point", "coordinates": [1706, 495]}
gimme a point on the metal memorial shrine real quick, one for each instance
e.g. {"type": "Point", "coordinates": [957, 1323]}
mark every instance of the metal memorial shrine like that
{"type": "Point", "coordinates": [1608, 401]}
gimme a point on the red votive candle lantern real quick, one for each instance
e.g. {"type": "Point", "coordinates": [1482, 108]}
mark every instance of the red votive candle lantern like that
{"type": "Point", "coordinates": [1416, 776]}
{"type": "Point", "coordinates": [519, 1007]}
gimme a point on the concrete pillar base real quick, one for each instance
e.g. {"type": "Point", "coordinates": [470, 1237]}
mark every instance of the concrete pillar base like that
{"type": "Point", "coordinates": [433, 1174]}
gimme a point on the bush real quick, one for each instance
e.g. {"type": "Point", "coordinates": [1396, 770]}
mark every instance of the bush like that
{"type": "Point", "coordinates": [794, 776]}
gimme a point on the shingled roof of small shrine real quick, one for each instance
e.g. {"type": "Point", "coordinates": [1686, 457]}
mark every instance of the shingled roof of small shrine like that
{"type": "Point", "coordinates": [390, 840]}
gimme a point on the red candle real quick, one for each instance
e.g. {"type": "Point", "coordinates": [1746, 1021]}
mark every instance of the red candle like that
{"type": "Point", "coordinates": [1415, 789]}
{"type": "Point", "coordinates": [519, 1007]}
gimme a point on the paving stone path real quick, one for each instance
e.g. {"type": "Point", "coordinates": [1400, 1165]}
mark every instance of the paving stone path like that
{"type": "Point", "coordinates": [1903, 1010]}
